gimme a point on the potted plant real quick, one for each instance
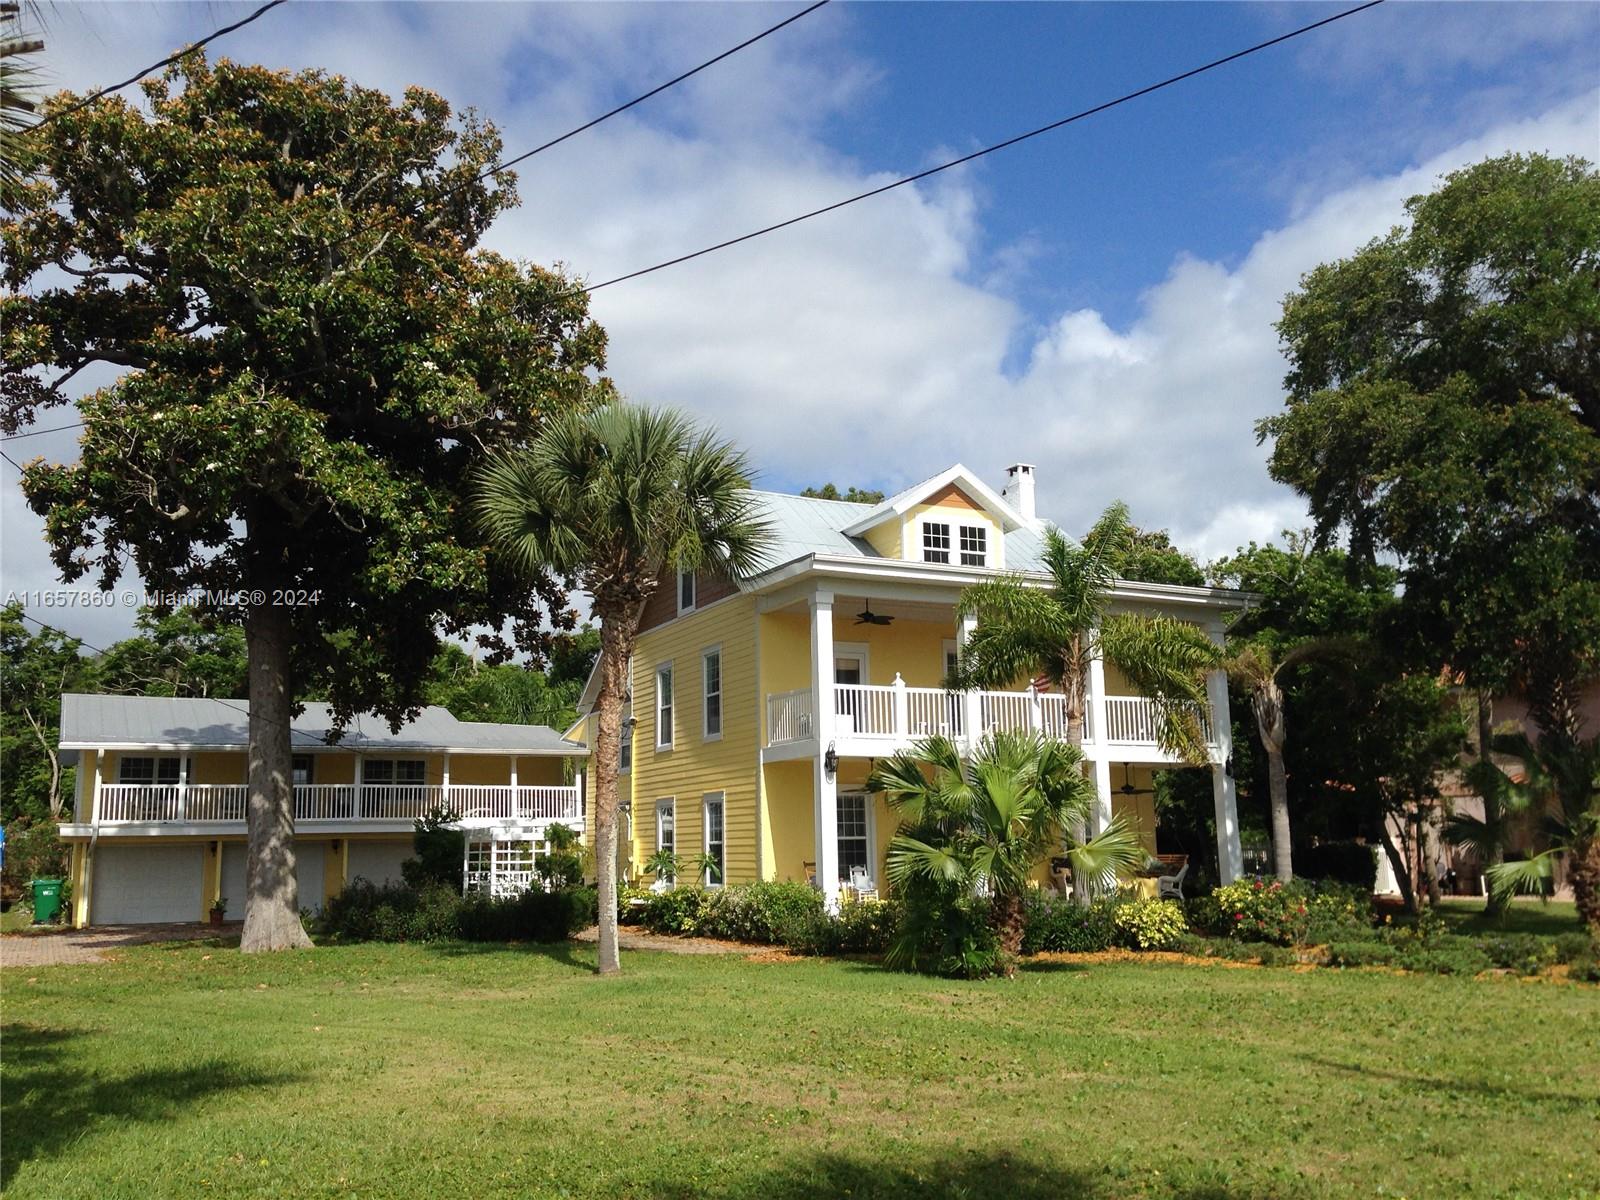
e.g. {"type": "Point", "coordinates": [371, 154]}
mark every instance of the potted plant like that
{"type": "Point", "coordinates": [219, 909]}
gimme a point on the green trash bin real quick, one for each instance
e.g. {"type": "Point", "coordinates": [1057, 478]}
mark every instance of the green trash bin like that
{"type": "Point", "coordinates": [46, 899]}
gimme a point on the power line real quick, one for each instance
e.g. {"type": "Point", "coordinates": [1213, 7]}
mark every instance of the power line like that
{"type": "Point", "coordinates": [154, 67]}
{"type": "Point", "coordinates": [217, 700]}
{"type": "Point", "coordinates": [12, 437]}
{"type": "Point", "coordinates": [976, 154]}
{"type": "Point", "coordinates": [621, 108]}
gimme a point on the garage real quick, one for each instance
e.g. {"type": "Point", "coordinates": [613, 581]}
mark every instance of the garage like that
{"type": "Point", "coordinates": [140, 885]}
{"type": "Point", "coordinates": [308, 862]}
{"type": "Point", "coordinates": [378, 862]}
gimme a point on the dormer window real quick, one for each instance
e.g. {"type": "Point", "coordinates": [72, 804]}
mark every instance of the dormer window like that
{"type": "Point", "coordinates": [974, 546]}
{"type": "Point", "coordinates": [685, 591]}
{"type": "Point", "coordinates": [935, 542]}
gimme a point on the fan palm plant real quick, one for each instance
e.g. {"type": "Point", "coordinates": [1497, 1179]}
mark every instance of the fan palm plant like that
{"type": "Point", "coordinates": [984, 825]}
{"type": "Point", "coordinates": [19, 83]}
{"type": "Point", "coordinates": [1054, 631]}
{"type": "Point", "coordinates": [1260, 669]}
{"type": "Point", "coordinates": [1560, 786]}
{"type": "Point", "coordinates": [615, 497]}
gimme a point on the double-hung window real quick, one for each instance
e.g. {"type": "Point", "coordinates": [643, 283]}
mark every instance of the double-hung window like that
{"type": "Point", "coordinates": [395, 770]}
{"type": "Point", "coordinates": [711, 677]}
{"type": "Point", "coordinates": [666, 827]}
{"type": "Point", "coordinates": [974, 545]}
{"type": "Point", "coordinates": [713, 802]}
{"type": "Point", "coordinates": [305, 769]}
{"type": "Point", "coordinates": [625, 745]}
{"type": "Point", "coordinates": [935, 541]}
{"type": "Point", "coordinates": [664, 707]}
{"type": "Point", "coordinates": [853, 836]}
{"type": "Point", "coordinates": [685, 591]}
{"type": "Point", "coordinates": [141, 769]}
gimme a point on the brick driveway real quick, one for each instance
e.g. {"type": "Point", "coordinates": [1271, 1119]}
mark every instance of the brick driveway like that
{"type": "Point", "coordinates": [93, 945]}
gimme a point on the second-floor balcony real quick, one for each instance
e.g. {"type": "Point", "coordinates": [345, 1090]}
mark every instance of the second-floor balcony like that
{"type": "Point", "coordinates": [370, 804]}
{"type": "Point", "coordinates": [876, 718]}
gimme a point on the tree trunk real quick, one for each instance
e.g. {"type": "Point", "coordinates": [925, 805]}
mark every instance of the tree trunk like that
{"type": "Point", "coordinates": [1494, 905]}
{"type": "Point", "coordinates": [1267, 702]}
{"type": "Point", "coordinates": [1401, 868]}
{"type": "Point", "coordinates": [1007, 916]}
{"type": "Point", "coordinates": [1583, 872]}
{"type": "Point", "coordinates": [616, 645]}
{"type": "Point", "coordinates": [272, 900]}
{"type": "Point", "coordinates": [55, 765]}
{"type": "Point", "coordinates": [1074, 687]}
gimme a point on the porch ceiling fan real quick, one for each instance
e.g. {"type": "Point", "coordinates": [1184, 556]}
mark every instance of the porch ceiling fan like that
{"type": "Point", "coordinates": [868, 617]}
{"type": "Point", "coordinates": [1127, 788]}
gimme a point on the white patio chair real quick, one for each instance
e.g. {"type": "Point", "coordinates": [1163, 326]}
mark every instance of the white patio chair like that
{"type": "Point", "coordinates": [1170, 887]}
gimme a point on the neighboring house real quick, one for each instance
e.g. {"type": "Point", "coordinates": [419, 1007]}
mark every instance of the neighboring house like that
{"type": "Point", "coordinates": [157, 829]}
{"type": "Point", "coordinates": [757, 709]}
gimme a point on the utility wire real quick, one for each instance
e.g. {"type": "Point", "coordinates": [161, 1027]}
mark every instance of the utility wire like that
{"type": "Point", "coordinates": [316, 737]}
{"type": "Point", "coordinates": [12, 437]}
{"type": "Point", "coordinates": [976, 154]}
{"type": "Point", "coordinates": [154, 67]}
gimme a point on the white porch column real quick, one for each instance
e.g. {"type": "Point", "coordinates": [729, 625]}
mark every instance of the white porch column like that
{"type": "Point", "coordinates": [516, 796]}
{"type": "Point", "coordinates": [183, 787]}
{"type": "Point", "coordinates": [1230, 857]}
{"type": "Point", "coordinates": [355, 795]}
{"type": "Point", "coordinates": [902, 707]}
{"type": "Point", "coordinates": [1095, 711]}
{"type": "Point", "coordinates": [826, 809]}
{"type": "Point", "coordinates": [444, 779]}
{"type": "Point", "coordinates": [1101, 817]}
{"type": "Point", "coordinates": [971, 702]}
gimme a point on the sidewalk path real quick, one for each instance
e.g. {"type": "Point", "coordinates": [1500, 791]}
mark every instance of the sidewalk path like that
{"type": "Point", "coordinates": [91, 945]}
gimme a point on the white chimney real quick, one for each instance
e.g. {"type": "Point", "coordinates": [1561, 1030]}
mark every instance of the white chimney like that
{"type": "Point", "coordinates": [1019, 489]}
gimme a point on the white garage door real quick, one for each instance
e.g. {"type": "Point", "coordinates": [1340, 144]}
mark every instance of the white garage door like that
{"type": "Point", "coordinates": [142, 884]}
{"type": "Point", "coordinates": [378, 862]}
{"type": "Point", "coordinates": [308, 860]}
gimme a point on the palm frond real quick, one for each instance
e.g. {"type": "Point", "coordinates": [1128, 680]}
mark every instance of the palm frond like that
{"type": "Point", "coordinates": [910, 858]}
{"type": "Point", "coordinates": [1114, 852]}
{"type": "Point", "coordinates": [1526, 875]}
{"type": "Point", "coordinates": [1167, 660]}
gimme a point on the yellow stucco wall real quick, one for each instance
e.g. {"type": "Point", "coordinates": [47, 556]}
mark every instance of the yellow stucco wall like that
{"type": "Point", "coordinates": [789, 807]}
{"type": "Point", "coordinates": [218, 767]}
{"type": "Point", "coordinates": [914, 649]}
{"type": "Point", "coordinates": [886, 538]}
{"type": "Point", "coordinates": [695, 766]}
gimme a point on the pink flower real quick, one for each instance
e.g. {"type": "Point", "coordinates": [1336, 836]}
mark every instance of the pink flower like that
{"type": "Point", "coordinates": [1238, 916]}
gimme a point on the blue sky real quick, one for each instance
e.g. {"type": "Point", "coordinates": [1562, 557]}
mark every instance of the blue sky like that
{"type": "Point", "coordinates": [1098, 301]}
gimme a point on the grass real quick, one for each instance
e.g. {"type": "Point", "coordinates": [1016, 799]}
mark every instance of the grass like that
{"type": "Point", "coordinates": [1527, 914]}
{"type": "Point", "coordinates": [398, 1071]}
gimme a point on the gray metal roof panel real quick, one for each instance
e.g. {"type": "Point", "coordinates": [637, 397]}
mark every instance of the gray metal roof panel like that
{"type": "Point", "coordinates": [223, 724]}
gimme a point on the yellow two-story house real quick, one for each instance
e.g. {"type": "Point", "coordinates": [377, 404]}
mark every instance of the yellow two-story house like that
{"type": "Point", "coordinates": [757, 708]}
{"type": "Point", "coordinates": [157, 832]}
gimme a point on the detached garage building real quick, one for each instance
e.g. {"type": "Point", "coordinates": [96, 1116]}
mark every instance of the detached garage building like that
{"type": "Point", "coordinates": [158, 833]}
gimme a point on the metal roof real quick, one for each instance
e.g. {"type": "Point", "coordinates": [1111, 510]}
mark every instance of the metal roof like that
{"type": "Point", "coordinates": [802, 525]}
{"type": "Point", "coordinates": [161, 721]}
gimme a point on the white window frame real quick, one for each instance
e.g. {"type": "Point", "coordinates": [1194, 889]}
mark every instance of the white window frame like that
{"type": "Point", "coordinates": [706, 655]}
{"type": "Point", "coordinates": [962, 553]}
{"type": "Point", "coordinates": [922, 541]}
{"type": "Point", "coordinates": [706, 801]}
{"type": "Point", "coordinates": [952, 650]}
{"type": "Point", "coordinates": [393, 765]}
{"type": "Point", "coordinates": [625, 740]}
{"type": "Point", "coordinates": [870, 816]}
{"type": "Point", "coordinates": [694, 592]}
{"type": "Point", "coordinates": [667, 804]}
{"type": "Point", "coordinates": [155, 761]}
{"type": "Point", "coordinates": [671, 707]}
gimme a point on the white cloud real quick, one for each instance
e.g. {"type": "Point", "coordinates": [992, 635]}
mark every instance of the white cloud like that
{"type": "Point", "coordinates": [867, 346]}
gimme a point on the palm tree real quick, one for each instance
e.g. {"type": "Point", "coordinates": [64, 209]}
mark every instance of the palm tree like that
{"type": "Point", "coordinates": [19, 80]}
{"type": "Point", "coordinates": [614, 497]}
{"type": "Point", "coordinates": [984, 825]}
{"type": "Point", "coordinates": [1027, 632]}
{"type": "Point", "coordinates": [1257, 668]}
{"type": "Point", "coordinates": [1561, 786]}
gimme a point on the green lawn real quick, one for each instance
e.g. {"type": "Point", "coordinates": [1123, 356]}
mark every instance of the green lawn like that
{"type": "Point", "coordinates": [1527, 914]}
{"type": "Point", "coordinates": [379, 1071]}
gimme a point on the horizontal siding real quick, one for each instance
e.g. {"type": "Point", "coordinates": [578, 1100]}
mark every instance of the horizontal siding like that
{"type": "Point", "coordinates": [694, 766]}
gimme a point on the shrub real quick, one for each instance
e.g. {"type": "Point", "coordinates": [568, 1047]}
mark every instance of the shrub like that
{"type": "Point", "coordinates": [757, 912]}
{"type": "Point", "coordinates": [34, 852]}
{"type": "Point", "coordinates": [859, 927]}
{"type": "Point", "coordinates": [944, 930]}
{"type": "Point", "coordinates": [1252, 910]}
{"type": "Point", "coordinates": [1569, 947]}
{"type": "Point", "coordinates": [1149, 924]}
{"type": "Point", "coordinates": [1445, 956]}
{"type": "Point", "coordinates": [1058, 923]}
{"type": "Point", "coordinates": [1341, 862]}
{"type": "Point", "coordinates": [364, 911]}
{"type": "Point", "coordinates": [629, 913]}
{"type": "Point", "coordinates": [679, 911]}
{"type": "Point", "coordinates": [1361, 954]}
{"type": "Point", "coordinates": [1524, 953]}
{"type": "Point", "coordinates": [439, 848]}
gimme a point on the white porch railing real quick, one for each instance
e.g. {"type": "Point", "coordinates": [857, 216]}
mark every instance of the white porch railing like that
{"type": "Point", "coordinates": [896, 712]}
{"type": "Point", "coordinates": [789, 717]}
{"type": "Point", "coordinates": [142, 803]}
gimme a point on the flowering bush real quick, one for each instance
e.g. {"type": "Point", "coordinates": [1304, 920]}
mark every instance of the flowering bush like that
{"type": "Point", "coordinates": [1150, 924]}
{"type": "Point", "coordinates": [1051, 922]}
{"type": "Point", "coordinates": [1252, 910]}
